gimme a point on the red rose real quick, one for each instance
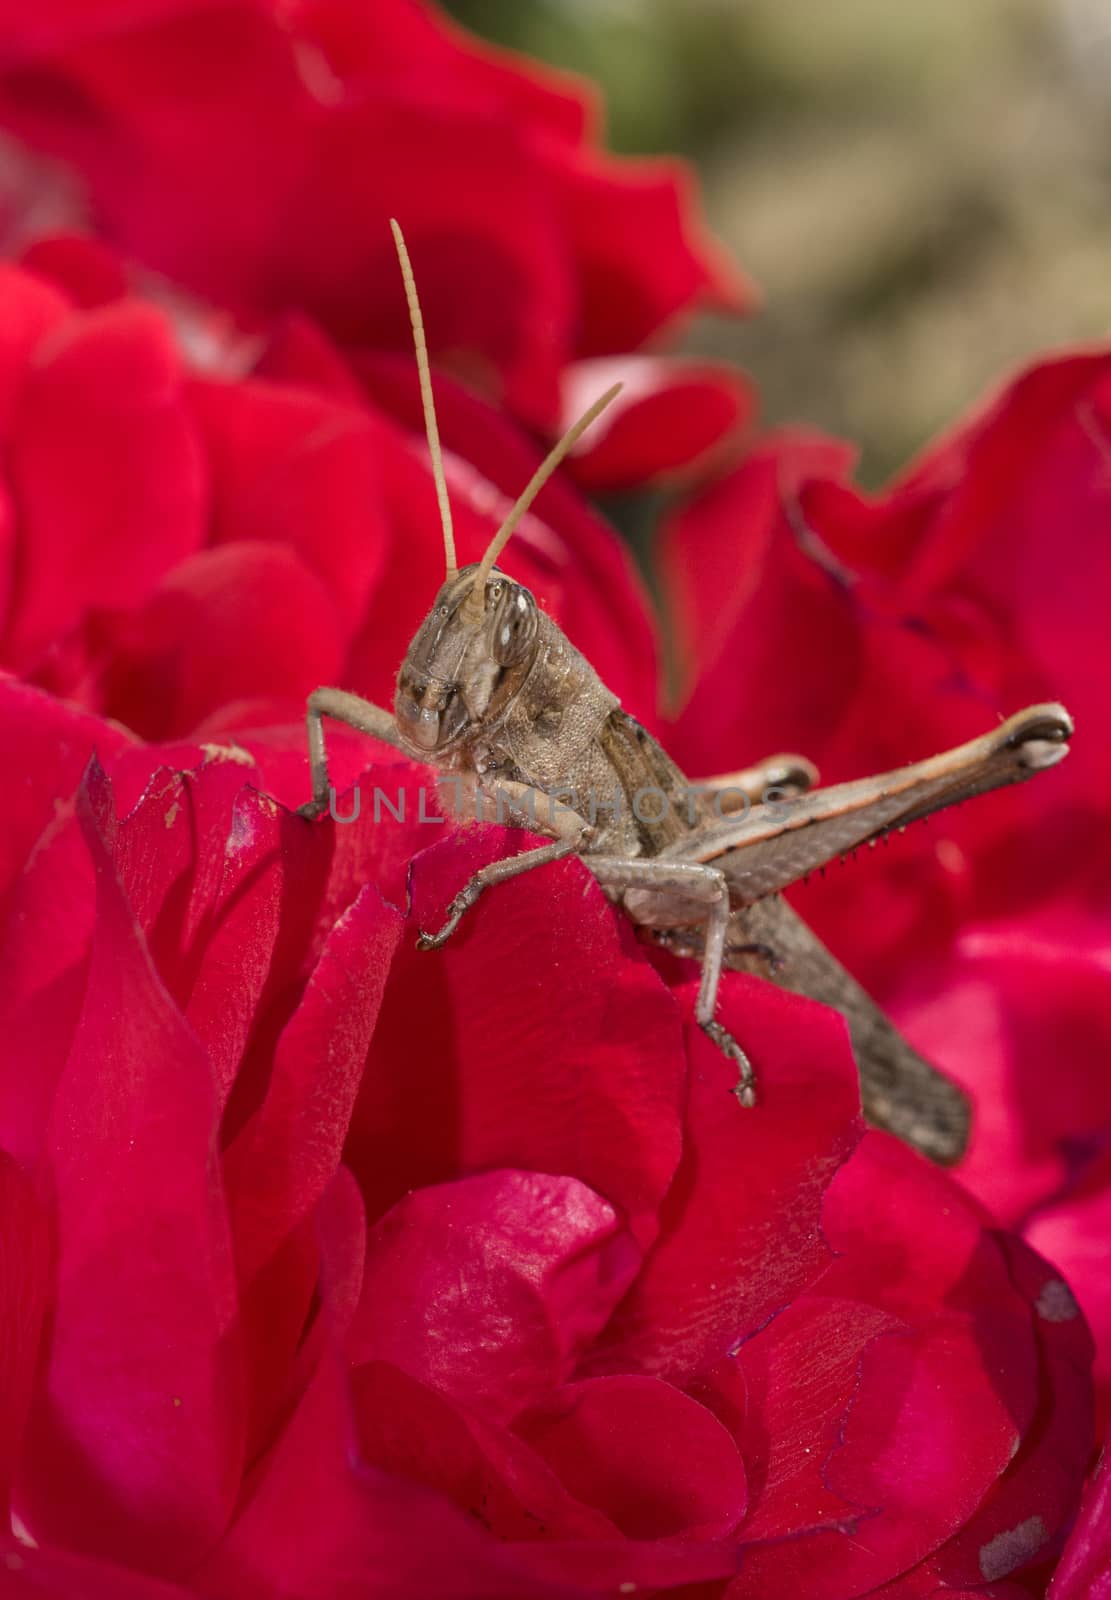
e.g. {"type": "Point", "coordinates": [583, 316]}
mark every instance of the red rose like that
{"type": "Point", "coordinates": [348, 1269]}
{"type": "Point", "coordinates": [290, 132]}
{"type": "Point", "coordinates": [338, 1269]}
{"type": "Point", "coordinates": [978, 583]}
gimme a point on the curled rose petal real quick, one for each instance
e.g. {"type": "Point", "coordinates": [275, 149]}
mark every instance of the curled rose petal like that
{"type": "Point", "coordinates": [907, 1412]}
{"type": "Point", "coordinates": [1084, 1572]}
{"type": "Point", "coordinates": [653, 1459]}
{"type": "Point", "coordinates": [491, 1288]}
{"type": "Point", "coordinates": [672, 419]}
{"type": "Point", "coordinates": [236, 594]}
{"type": "Point", "coordinates": [100, 446]}
{"type": "Point", "coordinates": [1073, 1235]}
{"type": "Point", "coordinates": [507, 1487]}
{"type": "Point", "coordinates": [746, 1186]}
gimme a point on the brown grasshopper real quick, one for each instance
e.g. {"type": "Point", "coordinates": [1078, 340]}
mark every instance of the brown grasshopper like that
{"type": "Point", "coordinates": [491, 691]}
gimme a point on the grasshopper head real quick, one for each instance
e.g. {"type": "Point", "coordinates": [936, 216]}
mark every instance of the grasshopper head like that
{"type": "Point", "coordinates": [466, 661]}
{"type": "Point", "coordinates": [475, 647]}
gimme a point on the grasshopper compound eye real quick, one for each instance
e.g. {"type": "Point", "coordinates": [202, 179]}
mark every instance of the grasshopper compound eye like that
{"type": "Point", "coordinates": [512, 624]}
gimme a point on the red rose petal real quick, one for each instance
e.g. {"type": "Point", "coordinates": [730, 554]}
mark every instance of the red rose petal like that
{"type": "Point", "coordinates": [242, 599]}
{"type": "Point", "coordinates": [525, 240]}
{"type": "Point", "coordinates": [927, 1250]}
{"type": "Point", "coordinates": [298, 351]}
{"type": "Point", "coordinates": [671, 418]}
{"type": "Point", "coordinates": [30, 1574]}
{"type": "Point", "coordinates": [490, 1288]}
{"type": "Point", "coordinates": [43, 967]}
{"type": "Point", "coordinates": [32, 311]}
{"type": "Point", "coordinates": [723, 555]}
{"type": "Point", "coordinates": [416, 1433]}
{"type": "Point", "coordinates": [30, 33]}
{"type": "Point", "coordinates": [574, 1067]}
{"type": "Point", "coordinates": [45, 746]}
{"type": "Point", "coordinates": [927, 1436]}
{"type": "Point", "coordinates": [82, 267]}
{"type": "Point", "coordinates": [101, 449]}
{"type": "Point", "coordinates": [920, 1439]}
{"type": "Point", "coordinates": [1025, 993]}
{"type": "Point", "coordinates": [294, 468]}
{"type": "Point", "coordinates": [740, 1233]}
{"type": "Point", "coordinates": [790, 1389]}
{"type": "Point", "coordinates": [1037, 1495]}
{"type": "Point", "coordinates": [506, 1487]}
{"type": "Point", "coordinates": [939, 1415]}
{"type": "Point", "coordinates": [653, 1459]}
{"type": "Point", "coordinates": [321, 1524]}
{"type": "Point", "coordinates": [627, 293]}
{"type": "Point", "coordinates": [299, 1306]}
{"type": "Point", "coordinates": [922, 1584]}
{"type": "Point", "coordinates": [488, 222]}
{"type": "Point", "coordinates": [26, 1271]}
{"type": "Point", "coordinates": [131, 84]}
{"type": "Point", "coordinates": [413, 43]}
{"type": "Point", "coordinates": [277, 1169]}
{"type": "Point", "coordinates": [133, 1445]}
{"type": "Point", "coordinates": [1073, 1234]}
{"type": "Point", "coordinates": [1084, 1572]}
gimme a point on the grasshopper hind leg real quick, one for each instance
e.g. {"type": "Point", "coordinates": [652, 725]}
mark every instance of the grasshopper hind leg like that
{"type": "Point", "coordinates": [900, 1090]}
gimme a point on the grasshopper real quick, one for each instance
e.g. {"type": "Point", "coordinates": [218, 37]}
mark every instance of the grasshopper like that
{"type": "Point", "coordinates": [492, 691]}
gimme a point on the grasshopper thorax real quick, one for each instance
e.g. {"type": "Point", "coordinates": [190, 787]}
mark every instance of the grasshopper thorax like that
{"type": "Point", "coordinates": [466, 663]}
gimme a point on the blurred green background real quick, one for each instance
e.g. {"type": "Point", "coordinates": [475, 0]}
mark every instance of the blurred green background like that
{"type": "Point", "coordinates": [922, 191]}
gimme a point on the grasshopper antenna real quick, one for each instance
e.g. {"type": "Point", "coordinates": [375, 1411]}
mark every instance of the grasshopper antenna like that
{"type": "Point", "coordinates": [473, 604]}
{"type": "Point", "coordinates": [427, 403]}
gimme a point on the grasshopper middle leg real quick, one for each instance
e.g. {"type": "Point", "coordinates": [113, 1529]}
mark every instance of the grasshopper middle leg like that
{"type": "Point", "coordinates": [658, 886]}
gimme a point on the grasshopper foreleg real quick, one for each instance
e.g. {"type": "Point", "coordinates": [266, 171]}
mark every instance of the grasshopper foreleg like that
{"type": "Point", "coordinates": [663, 888]}
{"type": "Point", "coordinates": [356, 713]}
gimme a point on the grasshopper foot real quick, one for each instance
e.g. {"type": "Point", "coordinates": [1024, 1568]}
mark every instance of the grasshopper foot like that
{"type": "Point", "coordinates": [312, 809]}
{"type": "Point", "coordinates": [745, 1088]}
{"type": "Point", "coordinates": [463, 901]}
